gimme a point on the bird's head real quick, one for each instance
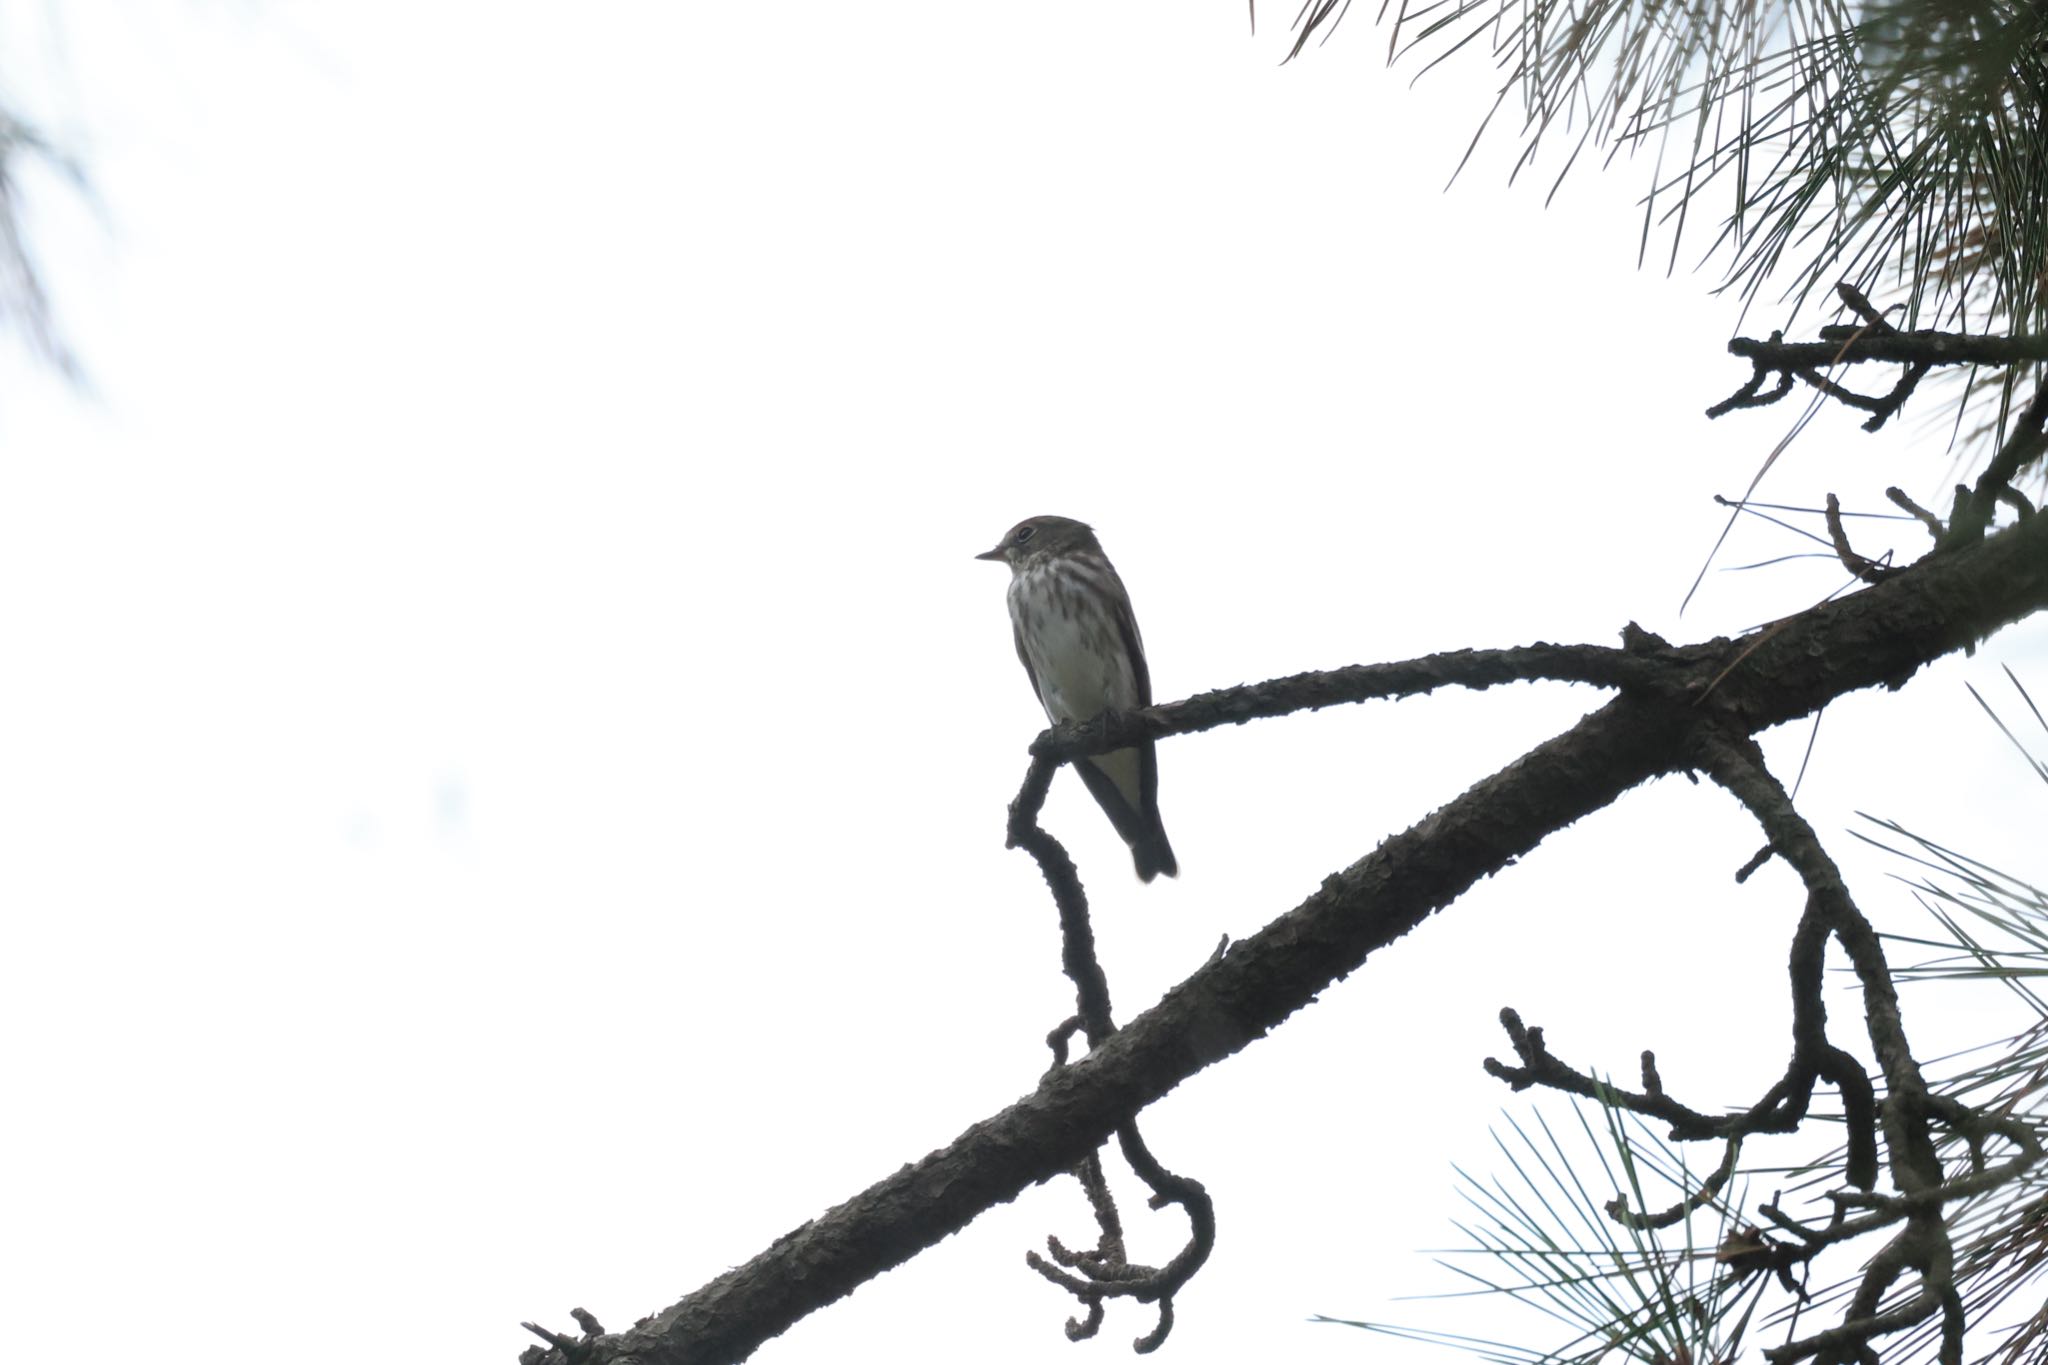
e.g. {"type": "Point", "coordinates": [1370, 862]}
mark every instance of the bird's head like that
{"type": "Point", "coordinates": [1037, 538]}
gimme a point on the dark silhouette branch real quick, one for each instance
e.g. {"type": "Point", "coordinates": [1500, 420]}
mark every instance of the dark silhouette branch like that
{"type": "Point", "coordinates": [1782, 1108]}
{"type": "Point", "coordinates": [1909, 1111]}
{"type": "Point", "coordinates": [571, 1348]}
{"type": "Point", "coordinates": [1920, 1240]}
{"type": "Point", "coordinates": [1737, 764]}
{"type": "Point", "coordinates": [1753, 394]}
{"type": "Point", "coordinates": [2024, 444]}
{"type": "Point", "coordinates": [1105, 1272]}
{"type": "Point", "coordinates": [1869, 570]}
{"type": "Point", "coordinates": [1540, 1068]}
{"type": "Point", "coordinates": [1108, 1250]}
{"type": "Point", "coordinates": [1618, 1209]}
{"type": "Point", "coordinates": [1852, 345]}
{"type": "Point", "coordinates": [1877, 637]}
{"type": "Point", "coordinates": [1077, 936]}
{"type": "Point", "coordinates": [1649, 663]}
{"type": "Point", "coordinates": [1881, 410]}
{"type": "Point", "coordinates": [1874, 339]}
{"type": "Point", "coordinates": [1919, 513]}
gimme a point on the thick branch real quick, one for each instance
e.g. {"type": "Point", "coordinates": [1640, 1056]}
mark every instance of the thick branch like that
{"type": "Point", "coordinates": [1879, 636]}
{"type": "Point", "coordinates": [1921, 348]}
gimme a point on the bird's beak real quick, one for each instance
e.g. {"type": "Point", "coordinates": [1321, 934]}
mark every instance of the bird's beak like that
{"type": "Point", "coordinates": [996, 553]}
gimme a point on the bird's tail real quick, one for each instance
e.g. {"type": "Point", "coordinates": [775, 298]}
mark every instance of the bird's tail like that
{"type": "Point", "coordinates": [1152, 853]}
{"type": "Point", "coordinates": [1122, 784]}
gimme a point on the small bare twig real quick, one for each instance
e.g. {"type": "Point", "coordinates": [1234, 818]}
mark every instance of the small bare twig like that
{"type": "Point", "coordinates": [1925, 517]}
{"type": "Point", "coordinates": [1753, 394]}
{"type": "Point", "coordinates": [1106, 1272]}
{"type": "Point", "coordinates": [1869, 570]}
{"type": "Point", "coordinates": [573, 1349]}
{"type": "Point", "coordinates": [1863, 308]}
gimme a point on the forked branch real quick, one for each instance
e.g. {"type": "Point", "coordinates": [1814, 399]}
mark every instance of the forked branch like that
{"type": "Point", "coordinates": [1878, 636]}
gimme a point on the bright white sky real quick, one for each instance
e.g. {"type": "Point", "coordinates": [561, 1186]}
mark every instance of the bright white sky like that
{"type": "Point", "coordinates": [505, 748]}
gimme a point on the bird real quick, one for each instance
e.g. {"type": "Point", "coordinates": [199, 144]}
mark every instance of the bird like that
{"type": "Point", "coordinates": [1079, 644]}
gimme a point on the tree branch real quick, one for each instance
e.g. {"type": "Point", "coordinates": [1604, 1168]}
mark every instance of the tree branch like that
{"type": "Point", "coordinates": [1874, 339]}
{"type": "Point", "coordinates": [1648, 663]}
{"type": "Point", "coordinates": [2023, 445]}
{"type": "Point", "coordinates": [1879, 636]}
{"type": "Point", "coordinates": [1841, 346]}
{"type": "Point", "coordinates": [1105, 1272]}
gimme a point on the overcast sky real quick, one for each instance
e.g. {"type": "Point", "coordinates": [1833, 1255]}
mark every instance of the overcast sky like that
{"type": "Point", "coordinates": [504, 764]}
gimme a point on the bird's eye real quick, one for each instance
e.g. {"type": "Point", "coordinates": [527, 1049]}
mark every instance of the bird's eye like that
{"type": "Point", "coordinates": [1024, 533]}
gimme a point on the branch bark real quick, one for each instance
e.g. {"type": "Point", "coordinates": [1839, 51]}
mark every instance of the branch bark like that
{"type": "Point", "coordinates": [1880, 636]}
{"type": "Point", "coordinates": [1837, 347]}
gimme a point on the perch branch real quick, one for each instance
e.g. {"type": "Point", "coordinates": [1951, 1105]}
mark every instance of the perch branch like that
{"type": "Point", "coordinates": [1879, 636]}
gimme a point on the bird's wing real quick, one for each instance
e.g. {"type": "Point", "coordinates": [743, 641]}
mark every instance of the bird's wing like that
{"type": "Point", "coordinates": [1128, 819]}
{"type": "Point", "coordinates": [1141, 680]}
{"type": "Point", "coordinates": [1127, 631]}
